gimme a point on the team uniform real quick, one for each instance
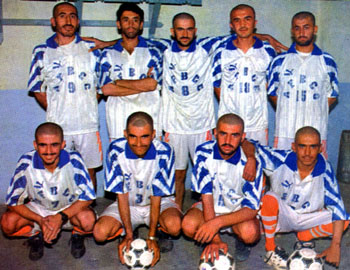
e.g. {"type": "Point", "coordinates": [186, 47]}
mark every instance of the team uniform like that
{"type": "Point", "coordinates": [223, 179]}
{"type": "Point", "coordinates": [141, 178]}
{"type": "Point", "coordinates": [118, 64]}
{"type": "Point", "coordinates": [49, 193]}
{"type": "Point", "coordinates": [68, 75]}
{"type": "Point", "coordinates": [302, 85]}
{"type": "Point", "coordinates": [188, 96]}
{"type": "Point", "coordinates": [242, 79]}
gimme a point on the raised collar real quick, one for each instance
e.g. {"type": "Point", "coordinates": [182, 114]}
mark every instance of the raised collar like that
{"type": "Point", "coordinates": [316, 50]}
{"type": "Point", "coordinates": [50, 42]}
{"type": "Point", "coordinates": [320, 166]}
{"type": "Point", "coordinates": [230, 46]}
{"type": "Point", "coordinates": [142, 44]}
{"type": "Point", "coordinates": [175, 47]}
{"type": "Point", "coordinates": [233, 160]}
{"type": "Point", "coordinates": [38, 162]}
{"type": "Point", "coordinates": [151, 153]}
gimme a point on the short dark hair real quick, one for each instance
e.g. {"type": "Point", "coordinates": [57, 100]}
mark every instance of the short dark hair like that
{"type": "Point", "coordinates": [307, 130]}
{"type": "Point", "coordinates": [139, 119]}
{"type": "Point", "coordinates": [242, 6]}
{"type": "Point", "coordinates": [49, 128]}
{"type": "Point", "coordinates": [231, 119]}
{"type": "Point", "coordinates": [130, 7]}
{"type": "Point", "coordinates": [183, 15]}
{"type": "Point", "coordinates": [61, 4]}
{"type": "Point", "coordinates": [303, 15]}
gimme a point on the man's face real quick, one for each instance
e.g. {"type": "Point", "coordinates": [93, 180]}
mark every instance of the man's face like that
{"type": "Point", "coordinates": [303, 31]}
{"type": "Point", "coordinates": [228, 137]}
{"type": "Point", "coordinates": [184, 32]}
{"type": "Point", "coordinates": [49, 147]}
{"type": "Point", "coordinates": [242, 22]}
{"type": "Point", "coordinates": [139, 139]}
{"type": "Point", "coordinates": [130, 24]}
{"type": "Point", "coordinates": [66, 21]}
{"type": "Point", "coordinates": [307, 147]}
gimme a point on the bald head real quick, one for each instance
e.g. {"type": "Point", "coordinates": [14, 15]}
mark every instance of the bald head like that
{"type": "Point", "coordinates": [231, 119]}
{"type": "Point", "coordinates": [183, 16]}
{"type": "Point", "coordinates": [307, 131]}
{"type": "Point", "coordinates": [49, 128]}
{"type": "Point", "coordinates": [139, 119]}
{"type": "Point", "coordinates": [241, 7]}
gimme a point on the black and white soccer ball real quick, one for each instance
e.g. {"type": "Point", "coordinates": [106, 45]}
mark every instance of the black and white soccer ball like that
{"type": "Point", "coordinates": [138, 257]}
{"type": "Point", "coordinates": [304, 259]}
{"type": "Point", "coordinates": [225, 262]}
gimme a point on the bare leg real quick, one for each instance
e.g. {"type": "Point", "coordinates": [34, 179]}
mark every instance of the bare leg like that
{"type": "Point", "coordinates": [92, 173]}
{"type": "Point", "coordinates": [180, 177]}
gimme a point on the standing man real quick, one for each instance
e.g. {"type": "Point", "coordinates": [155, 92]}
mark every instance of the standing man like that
{"type": "Point", "coordinates": [63, 78]}
{"type": "Point", "coordinates": [303, 83]}
{"type": "Point", "coordinates": [140, 170]}
{"type": "Point", "coordinates": [240, 67]}
{"type": "Point", "coordinates": [304, 198]}
{"type": "Point", "coordinates": [51, 190]}
{"type": "Point", "coordinates": [229, 203]}
{"type": "Point", "coordinates": [130, 72]}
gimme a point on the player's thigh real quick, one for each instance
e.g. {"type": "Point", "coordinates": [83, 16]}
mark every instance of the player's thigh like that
{"type": "Point", "coordinates": [180, 144]}
{"type": "Point", "coordinates": [196, 139]}
{"type": "Point", "coordinates": [12, 222]}
{"type": "Point", "coordinates": [259, 135]}
{"type": "Point", "coordinates": [248, 231]}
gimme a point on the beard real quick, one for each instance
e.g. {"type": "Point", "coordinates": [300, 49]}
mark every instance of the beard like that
{"type": "Point", "coordinates": [131, 34]}
{"type": "Point", "coordinates": [306, 42]}
{"type": "Point", "coordinates": [184, 43]}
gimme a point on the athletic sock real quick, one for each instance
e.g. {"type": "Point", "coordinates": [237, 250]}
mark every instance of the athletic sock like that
{"type": "Point", "coordinates": [269, 213]}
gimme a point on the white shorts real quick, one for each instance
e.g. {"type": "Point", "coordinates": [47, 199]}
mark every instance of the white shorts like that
{"type": "Point", "coordinates": [185, 145]}
{"type": "Point", "coordinates": [139, 215]}
{"type": "Point", "coordinates": [88, 145]}
{"type": "Point", "coordinates": [290, 221]}
{"type": "Point", "coordinates": [262, 136]}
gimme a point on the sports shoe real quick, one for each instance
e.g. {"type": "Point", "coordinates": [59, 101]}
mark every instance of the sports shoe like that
{"type": "Point", "coordinates": [277, 258]}
{"type": "Point", "coordinates": [36, 244]}
{"type": "Point", "coordinates": [165, 242]}
{"type": "Point", "coordinates": [242, 251]}
{"type": "Point", "coordinates": [77, 245]}
{"type": "Point", "coordinates": [304, 244]}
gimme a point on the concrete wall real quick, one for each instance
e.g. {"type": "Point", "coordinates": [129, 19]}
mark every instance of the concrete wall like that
{"type": "Point", "coordinates": [19, 113]}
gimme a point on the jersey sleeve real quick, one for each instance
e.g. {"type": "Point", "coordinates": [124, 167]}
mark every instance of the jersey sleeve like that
{"type": "Point", "coordinates": [201, 181]}
{"type": "Point", "coordinates": [105, 68]}
{"type": "Point", "coordinates": [36, 78]}
{"type": "Point", "coordinates": [156, 63]}
{"type": "Point", "coordinates": [216, 68]}
{"type": "Point", "coordinates": [332, 71]}
{"type": "Point", "coordinates": [273, 76]}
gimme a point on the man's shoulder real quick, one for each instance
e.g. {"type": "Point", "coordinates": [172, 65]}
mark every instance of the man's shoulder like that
{"type": "Point", "coordinates": [206, 148]}
{"type": "Point", "coordinates": [162, 147]}
{"type": "Point", "coordinates": [117, 146]}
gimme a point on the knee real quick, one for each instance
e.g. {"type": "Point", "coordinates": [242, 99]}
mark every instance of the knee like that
{"type": "Point", "coordinates": [8, 223]}
{"type": "Point", "coordinates": [249, 232]}
{"type": "Point", "coordinates": [173, 225]}
{"type": "Point", "coordinates": [87, 220]}
{"type": "Point", "coordinates": [189, 226]}
{"type": "Point", "coordinates": [100, 232]}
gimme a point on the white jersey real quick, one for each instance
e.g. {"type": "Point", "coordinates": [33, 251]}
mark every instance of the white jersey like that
{"type": "Point", "coordinates": [152, 175]}
{"type": "Point", "coordinates": [55, 191]}
{"type": "Point", "coordinates": [187, 92]}
{"type": "Point", "coordinates": [118, 64]}
{"type": "Point", "coordinates": [242, 79]}
{"type": "Point", "coordinates": [317, 191]}
{"type": "Point", "coordinates": [302, 87]}
{"type": "Point", "coordinates": [223, 179]}
{"type": "Point", "coordinates": [68, 75]}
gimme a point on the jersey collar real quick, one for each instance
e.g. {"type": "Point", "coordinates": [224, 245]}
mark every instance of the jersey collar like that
{"type": "Point", "coordinates": [316, 50]}
{"type": "Point", "coordinates": [233, 160]}
{"type": "Point", "coordinates": [51, 43]}
{"type": "Point", "coordinates": [151, 153]}
{"type": "Point", "coordinates": [118, 46]}
{"type": "Point", "coordinates": [38, 162]}
{"type": "Point", "coordinates": [320, 166]}
{"type": "Point", "coordinates": [230, 46]}
{"type": "Point", "coordinates": [175, 47]}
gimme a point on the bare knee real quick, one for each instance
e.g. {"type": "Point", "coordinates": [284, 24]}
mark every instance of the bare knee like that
{"type": "Point", "coordinates": [105, 228]}
{"type": "Point", "coordinates": [249, 232]}
{"type": "Point", "coordinates": [10, 222]}
{"type": "Point", "coordinates": [172, 225]}
{"type": "Point", "coordinates": [189, 226]}
{"type": "Point", "coordinates": [86, 220]}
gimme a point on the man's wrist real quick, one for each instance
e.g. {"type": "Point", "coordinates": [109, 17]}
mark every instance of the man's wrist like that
{"type": "Point", "coordinates": [64, 217]}
{"type": "Point", "coordinates": [153, 238]}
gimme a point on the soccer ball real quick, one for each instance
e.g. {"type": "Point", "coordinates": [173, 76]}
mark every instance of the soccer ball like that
{"type": "Point", "coordinates": [138, 257]}
{"type": "Point", "coordinates": [304, 259]}
{"type": "Point", "coordinates": [225, 262]}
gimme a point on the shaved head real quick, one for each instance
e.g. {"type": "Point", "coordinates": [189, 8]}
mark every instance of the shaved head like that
{"type": "Point", "coordinates": [139, 119]}
{"type": "Point", "coordinates": [183, 15]}
{"type": "Point", "coordinates": [55, 9]}
{"type": "Point", "coordinates": [304, 15]}
{"type": "Point", "coordinates": [307, 131]}
{"type": "Point", "coordinates": [231, 119]}
{"type": "Point", "coordinates": [242, 6]}
{"type": "Point", "coordinates": [49, 128]}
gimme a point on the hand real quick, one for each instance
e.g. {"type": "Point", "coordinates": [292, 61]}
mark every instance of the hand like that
{"type": "Point", "coordinates": [153, 246]}
{"type": "Point", "coordinates": [278, 46]}
{"type": "Point", "coordinates": [125, 243]}
{"type": "Point", "coordinates": [99, 44]}
{"type": "Point", "coordinates": [206, 232]}
{"type": "Point", "coordinates": [149, 72]}
{"type": "Point", "coordinates": [51, 226]}
{"type": "Point", "coordinates": [213, 250]}
{"type": "Point", "coordinates": [249, 172]}
{"type": "Point", "coordinates": [332, 255]}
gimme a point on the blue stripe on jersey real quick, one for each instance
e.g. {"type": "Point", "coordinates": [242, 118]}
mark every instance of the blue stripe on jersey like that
{"type": "Point", "coordinates": [270, 51]}
{"type": "Point", "coordinates": [329, 60]}
{"type": "Point", "coordinates": [21, 183]}
{"type": "Point", "coordinates": [217, 69]}
{"type": "Point", "coordinates": [208, 188]}
{"type": "Point", "coordinates": [37, 86]}
{"type": "Point", "coordinates": [246, 203]}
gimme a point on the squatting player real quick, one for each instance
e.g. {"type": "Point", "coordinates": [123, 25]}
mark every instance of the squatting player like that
{"type": "Point", "coordinates": [303, 83]}
{"type": "Point", "coordinates": [229, 203]}
{"type": "Point", "coordinates": [63, 78]}
{"type": "Point", "coordinates": [50, 190]}
{"type": "Point", "coordinates": [140, 170]}
{"type": "Point", "coordinates": [240, 67]}
{"type": "Point", "coordinates": [304, 198]}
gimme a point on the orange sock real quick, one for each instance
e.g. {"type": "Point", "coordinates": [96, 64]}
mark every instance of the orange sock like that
{"type": "Point", "coordinates": [318, 232]}
{"type": "Point", "coordinates": [269, 214]}
{"type": "Point", "coordinates": [26, 231]}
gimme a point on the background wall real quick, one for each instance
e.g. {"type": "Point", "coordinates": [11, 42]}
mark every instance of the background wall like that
{"type": "Point", "coordinates": [19, 113]}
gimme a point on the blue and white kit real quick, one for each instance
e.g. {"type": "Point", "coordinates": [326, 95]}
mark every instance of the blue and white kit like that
{"type": "Point", "coordinates": [242, 79]}
{"type": "Point", "coordinates": [118, 64]}
{"type": "Point", "coordinates": [302, 87]}
{"type": "Point", "coordinates": [223, 179]}
{"type": "Point", "coordinates": [68, 75]}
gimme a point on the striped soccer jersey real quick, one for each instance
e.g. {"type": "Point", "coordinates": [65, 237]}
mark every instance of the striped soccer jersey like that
{"type": "Point", "coordinates": [54, 191]}
{"type": "Point", "coordinates": [68, 75]}
{"type": "Point", "coordinates": [317, 191]}
{"type": "Point", "coordinates": [152, 175]}
{"type": "Point", "coordinates": [118, 64]}
{"type": "Point", "coordinates": [187, 92]}
{"type": "Point", "coordinates": [302, 87]}
{"type": "Point", "coordinates": [242, 79]}
{"type": "Point", "coordinates": [223, 179]}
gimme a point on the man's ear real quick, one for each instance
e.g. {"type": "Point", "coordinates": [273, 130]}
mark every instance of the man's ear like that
{"type": "Point", "coordinates": [53, 22]}
{"type": "Point", "coordinates": [35, 145]}
{"type": "Point", "coordinates": [125, 133]}
{"type": "Point", "coordinates": [118, 24]}
{"type": "Point", "coordinates": [315, 29]}
{"type": "Point", "coordinates": [294, 148]}
{"type": "Point", "coordinates": [243, 136]}
{"type": "Point", "coordinates": [63, 145]}
{"type": "Point", "coordinates": [172, 32]}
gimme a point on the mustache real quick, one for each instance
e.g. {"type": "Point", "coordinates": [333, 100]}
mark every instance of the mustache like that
{"type": "Point", "coordinates": [227, 144]}
{"type": "Point", "coordinates": [68, 25]}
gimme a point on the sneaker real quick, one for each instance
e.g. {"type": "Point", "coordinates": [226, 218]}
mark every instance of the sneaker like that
{"type": "Point", "coordinates": [36, 244]}
{"type": "Point", "coordinates": [165, 242]}
{"type": "Point", "coordinates": [77, 245]}
{"type": "Point", "coordinates": [304, 244]}
{"type": "Point", "coordinates": [277, 258]}
{"type": "Point", "coordinates": [242, 251]}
